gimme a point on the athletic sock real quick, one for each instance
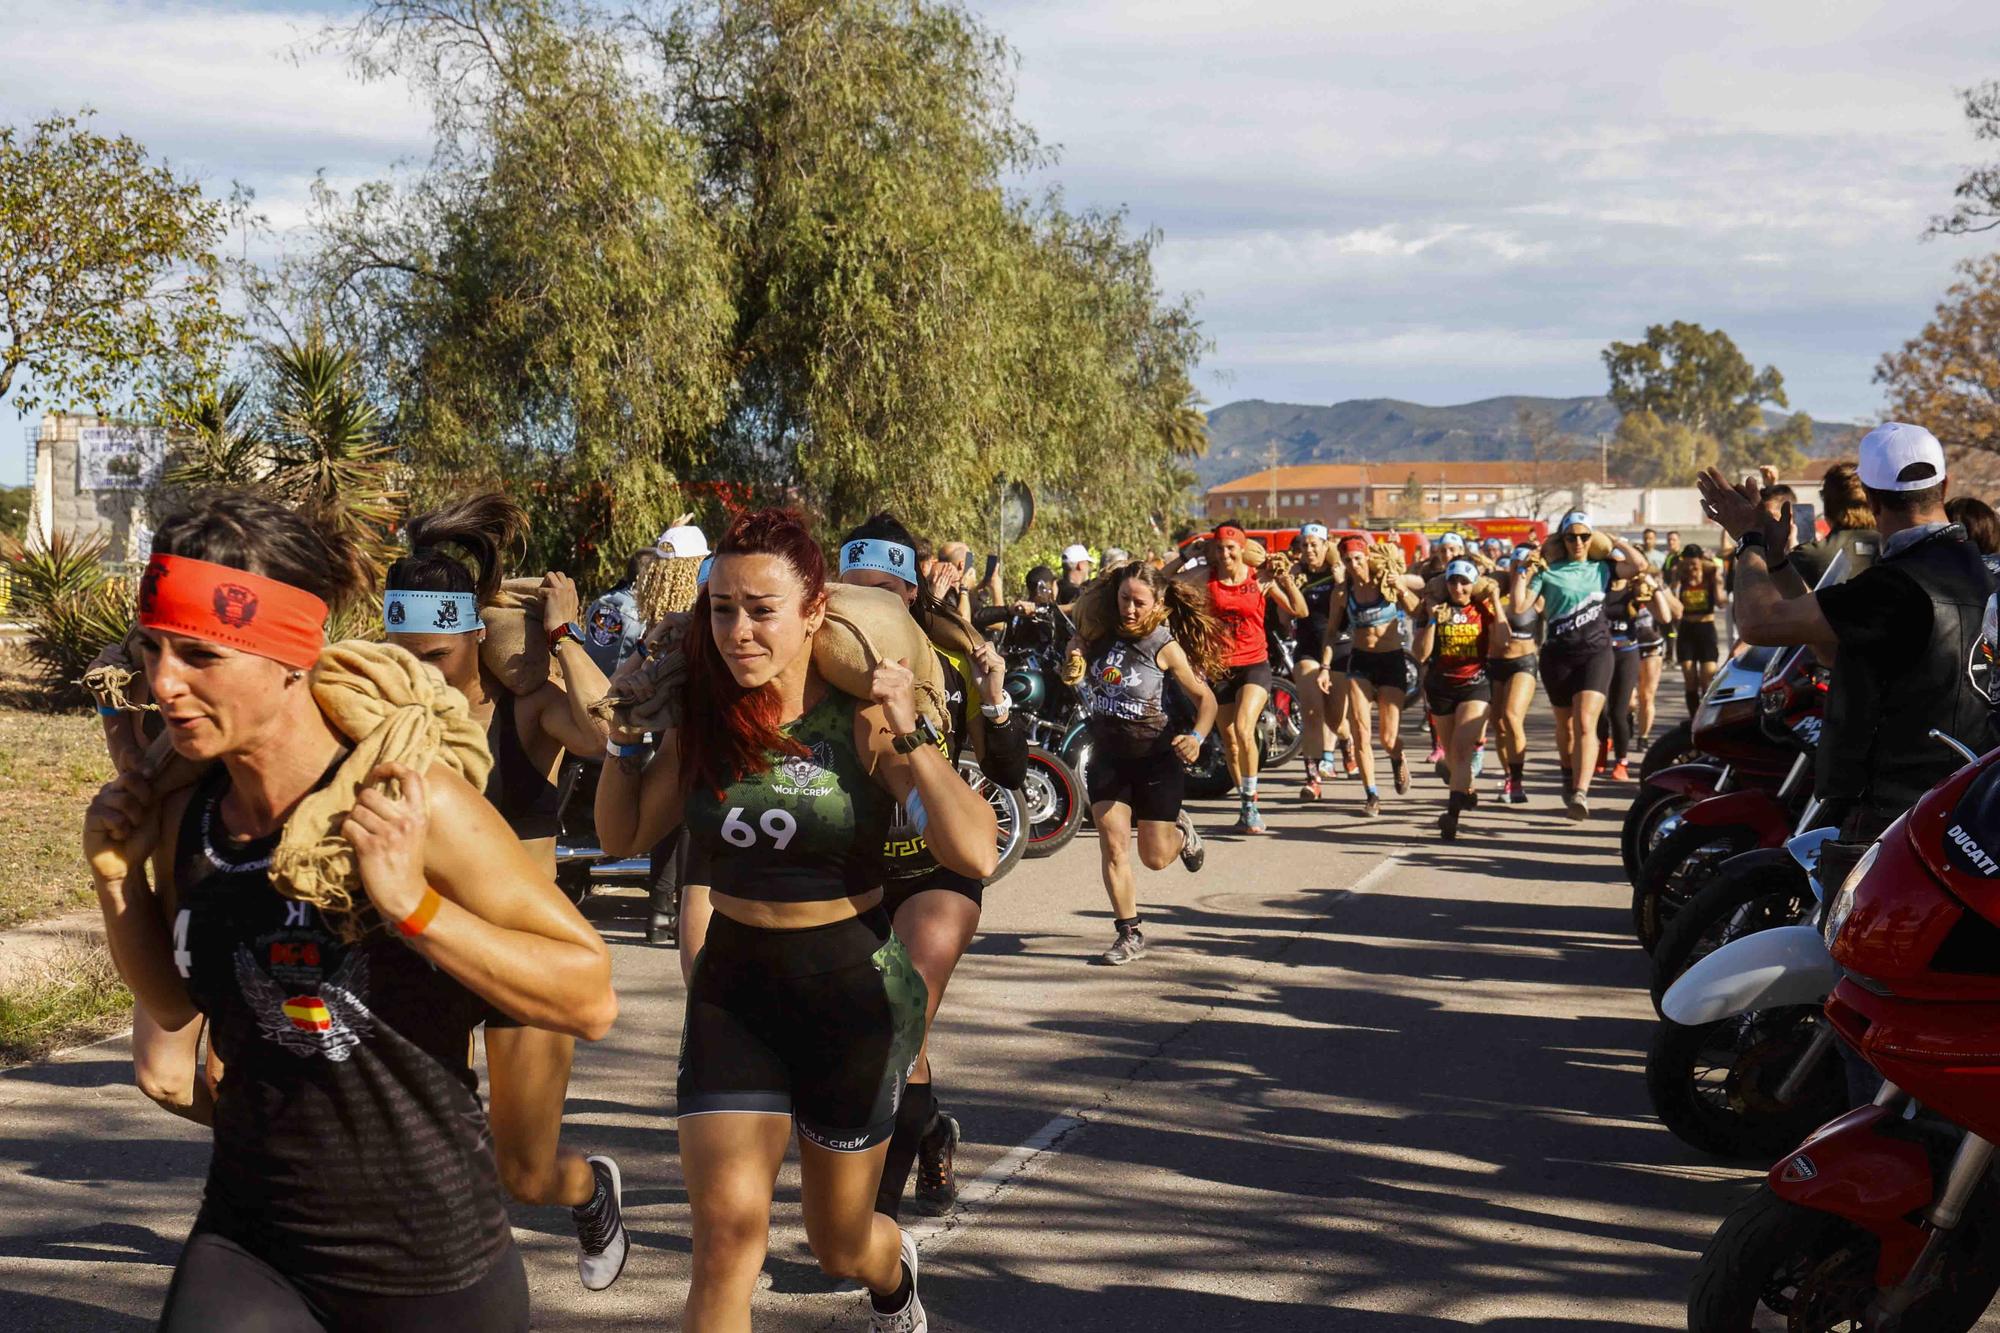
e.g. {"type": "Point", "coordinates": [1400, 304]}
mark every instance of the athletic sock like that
{"type": "Point", "coordinates": [598, 1204]}
{"type": "Point", "coordinates": [898, 1299]}
{"type": "Point", "coordinates": [1370, 791]}
{"type": "Point", "coordinates": [1250, 788]}
{"type": "Point", "coordinates": [1327, 760]}
{"type": "Point", "coordinates": [913, 1117]}
{"type": "Point", "coordinates": [1514, 771]}
{"type": "Point", "coordinates": [1312, 770]}
{"type": "Point", "coordinates": [1125, 924]}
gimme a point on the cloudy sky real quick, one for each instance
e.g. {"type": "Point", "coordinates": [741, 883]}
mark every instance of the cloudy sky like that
{"type": "Point", "coordinates": [1439, 202]}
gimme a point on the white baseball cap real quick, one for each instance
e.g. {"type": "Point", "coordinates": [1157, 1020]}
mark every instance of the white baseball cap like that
{"type": "Point", "coordinates": [1117, 556]}
{"type": "Point", "coordinates": [1575, 518]}
{"type": "Point", "coordinates": [683, 541]}
{"type": "Point", "coordinates": [1076, 554]}
{"type": "Point", "coordinates": [1900, 457]}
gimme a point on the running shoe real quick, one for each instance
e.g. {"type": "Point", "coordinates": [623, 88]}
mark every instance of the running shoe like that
{"type": "Point", "coordinates": [1193, 851]}
{"type": "Point", "coordinates": [1250, 819]}
{"type": "Point", "coordinates": [937, 1182]}
{"type": "Point", "coordinates": [1448, 824]}
{"type": "Point", "coordinates": [1437, 754]}
{"type": "Point", "coordinates": [1620, 773]}
{"type": "Point", "coordinates": [1516, 794]}
{"type": "Point", "coordinates": [1372, 806]}
{"type": "Point", "coordinates": [1348, 767]}
{"type": "Point", "coordinates": [909, 1319]}
{"type": "Point", "coordinates": [600, 1229]}
{"type": "Point", "coordinates": [1130, 944]}
{"type": "Point", "coordinates": [1311, 790]}
{"type": "Point", "coordinates": [1443, 771]}
{"type": "Point", "coordinates": [1479, 761]}
{"type": "Point", "coordinates": [1577, 806]}
{"type": "Point", "coordinates": [1402, 775]}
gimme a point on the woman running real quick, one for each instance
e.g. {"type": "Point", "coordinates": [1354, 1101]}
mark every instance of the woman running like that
{"type": "Point", "coordinates": [1238, 595]}
{"type": "Point", "coordinates": [935, 910]}
{"type": "Point", "coordinates": [1697, 584]}
{"type": "Point", "coordinates": [431, 608]}
{"type": "Point", "coordinates": [351, 1184]}
{"type": "Point", "coordinates": [1320, 579]}
{"type": "Point", "coordinates": [1137, 775]}
{"type": "Point", "coordinates": [1458, 634]}
{"type": "Point", "coordinates": [1512, 671]}
{"type": "Point", "coordinates": [1378, 668]}
{"type": "Point", "coordinates": [804, 1008]}
{"type": "Point", "coordinates": [1636, 611]}
{"type": "Point", "coordinates": [1576, 658]}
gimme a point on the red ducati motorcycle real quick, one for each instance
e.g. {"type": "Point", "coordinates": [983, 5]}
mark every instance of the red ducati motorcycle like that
{"type": "Point", "coordinates": [1888, 1218]}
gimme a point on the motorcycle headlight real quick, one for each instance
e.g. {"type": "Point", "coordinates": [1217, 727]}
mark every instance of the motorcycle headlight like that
{"type": "Point", "coordinates": [1843, 899]}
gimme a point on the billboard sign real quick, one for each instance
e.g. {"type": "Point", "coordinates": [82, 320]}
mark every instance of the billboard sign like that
{"type": "Point", "coordinates": [118, 458]}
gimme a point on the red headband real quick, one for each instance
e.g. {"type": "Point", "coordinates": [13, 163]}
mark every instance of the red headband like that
{"type": "Point", "coordinates": [1228, 530]}
{"type": "Point", "coordinates": [234, 608]}
{"type": "Point", "coordinates": [1353, 544]}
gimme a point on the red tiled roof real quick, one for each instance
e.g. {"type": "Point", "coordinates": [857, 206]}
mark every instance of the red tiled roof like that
{"type": "Point", "coordinates": [1306, 476]}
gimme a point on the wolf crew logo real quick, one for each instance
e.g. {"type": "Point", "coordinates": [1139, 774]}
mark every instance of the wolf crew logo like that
{"type": "Point", "coordinates": [447, 615]}
{"type": "Point", "coordinates": [856, 552]}
{"type": "Point", "coordinates": [235, 605]}
{"type": "Point", "coordinates": [809, 774]}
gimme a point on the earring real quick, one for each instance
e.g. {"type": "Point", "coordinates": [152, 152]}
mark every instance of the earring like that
{"type": "Point", "coordinates": [298, 675]}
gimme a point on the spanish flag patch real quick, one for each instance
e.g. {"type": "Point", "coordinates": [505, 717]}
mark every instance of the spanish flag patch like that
{"type": "Point", "coordinates": [308, 1013]}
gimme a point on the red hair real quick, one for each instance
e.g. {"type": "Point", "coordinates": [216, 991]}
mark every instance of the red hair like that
{"type": "Point", "coordinates": [728, 732]}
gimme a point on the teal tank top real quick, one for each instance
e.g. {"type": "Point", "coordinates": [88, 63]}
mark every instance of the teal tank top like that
{"type": "Point", "coordinates": [807, 828]}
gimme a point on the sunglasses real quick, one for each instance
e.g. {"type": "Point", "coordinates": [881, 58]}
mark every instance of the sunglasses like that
{"type": "Point", "coordinates": [1576, 536]}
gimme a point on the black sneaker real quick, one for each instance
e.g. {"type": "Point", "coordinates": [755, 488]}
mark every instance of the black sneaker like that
{"type": "Point", "coordinates": [1402, 766]}
{"type": "Point", "coordinates": [937, 1183]}
{"type": "Point", "coordinates": [1448, 824]}
{"type": "Point", "coordinates": [600, 1230]}
{"type": "Point", "coordinates": [1130, 944]}
{"type": "Point", "coordinates": [1372, 806]}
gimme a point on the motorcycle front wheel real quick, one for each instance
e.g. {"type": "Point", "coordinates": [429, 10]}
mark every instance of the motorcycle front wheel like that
{"type": "Point", "coordinates": [1281, 728]}
{"type": "Point", "coordinates": [1673, 746]}
{"type": "Point", "coordinates": [1053, 801]}
{"type": "Point", "coordinates": [1680, 866]}
{"type": "Point", "coordinates": [1738, 900]}
{"type": "Point", "coordinates": [1653, 815]}
{"type": "Point", "coordinates": [1715, 1085]}
{"type": "Point", "coordinates": [1010, 822]}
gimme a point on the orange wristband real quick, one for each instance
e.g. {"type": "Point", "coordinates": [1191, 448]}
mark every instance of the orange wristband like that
{"type": "Point", "coordinates": [413, 925]}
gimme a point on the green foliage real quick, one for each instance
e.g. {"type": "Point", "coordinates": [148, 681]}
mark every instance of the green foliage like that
{"type": "Point", "coordinates": [766, 245]}
{"type": "Point", "coordinates": [110, 289]}
{"type": "Point", "coordinates": [1978, 191]}
{"type": "Point", "coordinates": [73, 603]}
{"type": "Point", "coordinates": [14, 505]}
{"type": "Point", "coordinates": [1683, 375]}
{"type": "Point", "coordinates": [1947, 378]}
{"type": "Point", "coordinates": [1646, 451]}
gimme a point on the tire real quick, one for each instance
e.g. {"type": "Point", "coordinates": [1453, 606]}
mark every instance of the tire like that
{"type": "Point", "coordinates": [1007, 815]}
{"type": "Point", "coordinates": [1820, 1271]}
{"type": "Point", "coordinates": [1052, 801]}
{"type": "Point", "coordinates": [1280, 728]}
{"type": "Point", "coordinates": [1641, 832]}
{"type": "Point", "coordinates": [1741, 900]}
{"type": "Point", "coordinates": [1673, 746]}
{"type": "Point", "coordinates": [1676, 871]}
{"type": "Point", "coordinates": [1208, 776]}
{"type": "Point", "coordinates": [1714, 1084]}
{"type": "Point", "coordinates": [1077, 754]}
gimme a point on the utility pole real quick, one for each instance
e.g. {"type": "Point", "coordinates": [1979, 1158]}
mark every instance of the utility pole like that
{"type": "Point", "coordinates": [1603, 460]}
{"type": "Point", "coordinates": [1273, 456]}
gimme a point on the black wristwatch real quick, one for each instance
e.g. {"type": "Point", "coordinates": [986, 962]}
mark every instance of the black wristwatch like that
{"type": "Point", "coordinates": [925, 734]}
{"type": "Point", "coordinates": [1751, 538]}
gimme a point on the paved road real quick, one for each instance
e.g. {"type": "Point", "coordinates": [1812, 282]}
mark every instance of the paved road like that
{"type": "Point", "coordinates": [1361, 1081]}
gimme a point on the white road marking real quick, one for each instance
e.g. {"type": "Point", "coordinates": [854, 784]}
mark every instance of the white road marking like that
{"type": "Point", "coordinates": [1019, 1162]}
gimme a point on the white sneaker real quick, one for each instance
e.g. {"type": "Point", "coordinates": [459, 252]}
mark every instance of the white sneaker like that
{"type": "Point", "coordinates": [602, 1239]}
{"type": "Point", "coordinates": [909, 1319]}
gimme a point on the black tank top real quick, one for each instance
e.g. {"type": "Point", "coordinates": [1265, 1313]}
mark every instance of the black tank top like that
{"type": "Point", "coordinates": [350, 1143]}
{"type": "Point", "coordinates": [519, 790]}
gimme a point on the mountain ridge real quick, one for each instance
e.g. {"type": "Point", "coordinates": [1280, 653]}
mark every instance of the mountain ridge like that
{"type": "Point", "coordinates": [1392, 430]}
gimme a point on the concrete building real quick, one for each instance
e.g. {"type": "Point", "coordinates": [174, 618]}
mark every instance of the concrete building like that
{"type": "Point", "coordinates": [90, 477]}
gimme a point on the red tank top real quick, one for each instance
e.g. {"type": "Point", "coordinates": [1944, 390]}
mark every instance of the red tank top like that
{"type": "Point", "coordinates": [1241, 611]}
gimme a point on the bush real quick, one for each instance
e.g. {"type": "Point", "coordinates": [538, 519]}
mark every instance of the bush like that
{"type": "Point", "coordinates": [73, 604]}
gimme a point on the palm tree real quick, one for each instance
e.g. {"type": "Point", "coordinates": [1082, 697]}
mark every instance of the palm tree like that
{"type": "Point", "coordinates": [324, 439]}
{"type": "Point", "coordinates": [218, 440]}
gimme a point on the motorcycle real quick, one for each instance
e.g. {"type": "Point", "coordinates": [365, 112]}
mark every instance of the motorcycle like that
{"type": "Point", "coordinates": [1738, 1065]}
{"type": "Point", "coordinates": [1789, 708]}
{"type": "Point", "coordinates": [1052, 794]}
{"type": "Point", "coordinates": [1887, 1218]}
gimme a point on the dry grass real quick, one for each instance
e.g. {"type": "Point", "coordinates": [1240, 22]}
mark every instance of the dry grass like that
{"type": "Point", "coordinates": [70, 995]}
{"type": "Point", "coordinates": [51, 764]}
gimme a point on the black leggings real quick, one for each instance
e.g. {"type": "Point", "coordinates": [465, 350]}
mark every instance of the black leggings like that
{"type": "Point", "coordinates": [220, 1287]}
{"type": "Point", "coordinates": [1616, 719]}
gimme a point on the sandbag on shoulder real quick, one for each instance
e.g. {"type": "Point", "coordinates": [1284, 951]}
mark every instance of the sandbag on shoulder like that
{"type": "Point", "coordinates": [952, 633]}
{"type": "Point", "coordinates": [863, 626]}
{"type": "Point", "coordinates": [1598, 548]}
{"type": "Point", "coordinates": [517, 644]}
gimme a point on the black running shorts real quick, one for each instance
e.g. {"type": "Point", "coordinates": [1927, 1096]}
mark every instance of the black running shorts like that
{"type": "Point", "coordinates": [896, 892]}
{"type": "Point", "coordinates": [1504, 669]}
{"type": "Point", "coordinates": [821, 1024]}
{"type": "Point", "coordinates": [1568, 674]}
{"type": "Point", "coordinates": [1154, 785]}
{"type": "Point", "coordinates": [1697, 642]}
{"type": "Point", "coordinates": [1443, 697]}
{"type": "Point", "coordinates": [1229, 685]}
{"type": "Point", "coordinates": [1385, 670]}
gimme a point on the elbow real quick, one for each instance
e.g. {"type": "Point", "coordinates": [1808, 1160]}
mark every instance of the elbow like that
{"type": "Point", "coordinates": [984, 860]}
{"type": "Point", "coordinates": [594, 1022]}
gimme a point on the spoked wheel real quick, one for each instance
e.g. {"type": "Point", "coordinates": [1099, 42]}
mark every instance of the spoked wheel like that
{"type": "Point", "coordinates": [1208, 775]}
{"type": "Point", "coordinates": [1673, 746]}
{"type": "Point", "coordinates": [1652, 816]}
{"type": "Point", "coordinates": [1740, 900]}
{"type": "Point", "coordinates": [1679, 867]}
{"type": "Point", "coordinates": [1052, 801]}
{"type": "Point", "coordinates": [1008, 818]}
{"type": "Point", "coordinates": [1280, 728]}
{"type": "Point", "coordinates": [1715, 1085]}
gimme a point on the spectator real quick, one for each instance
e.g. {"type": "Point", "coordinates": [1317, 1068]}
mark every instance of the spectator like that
{"type": "Point", "coordinates": [1649, 546]}
{"type": "Point", "coordinates": [1850, 528]}
{"type": "Point", "coordinates": [612, 627]}
{"type": "Point", "coordinates": [1900, 634]}
{"type": "Point", "coordinates": [1076, 572]}
{"type": "Point", "coordinates": [1981, 524]}
{"type": "Point", "coordinates": [1673, 551]}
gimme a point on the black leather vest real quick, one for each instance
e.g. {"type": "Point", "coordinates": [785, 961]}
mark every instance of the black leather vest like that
{"type": "Point", "coordinates": [1876, 747]}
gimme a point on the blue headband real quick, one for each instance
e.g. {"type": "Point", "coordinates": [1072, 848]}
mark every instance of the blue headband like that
{"type": "Point", "coordinates": [406, 611]}
{"type": "Point", "coordinates": [874, 553]}
{"type": "Point", "coordinates": [701, 571]}
{"type": "Point", "coordinates": [1462, 569]}
{"type": "Point", "coordinates": [1313, 530]}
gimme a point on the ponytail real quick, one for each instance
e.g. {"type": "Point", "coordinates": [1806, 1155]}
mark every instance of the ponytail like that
{"type": "Point", "coordinates": [487, 527]}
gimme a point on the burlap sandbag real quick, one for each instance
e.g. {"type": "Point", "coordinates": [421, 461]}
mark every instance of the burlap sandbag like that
{"type": "Point", "coordinates": [948, 630]}
{"type": "Point", "coordinates": [1599, 548]}
{"type": "Point", "coordinates": [863, 626]}
{"type": "Point", "coordinates": [517, 644]}
{"type": "Point", "coordinates": [392, 709]}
